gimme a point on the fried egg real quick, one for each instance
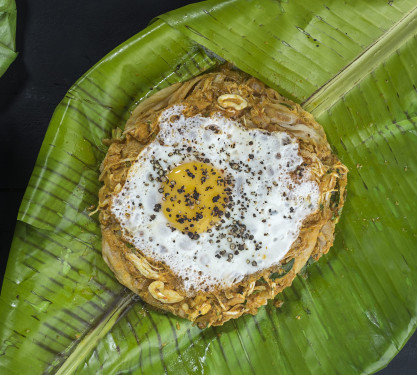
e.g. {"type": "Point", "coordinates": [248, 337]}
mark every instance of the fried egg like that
{"type": "Point", "coordinates": [213, 200]}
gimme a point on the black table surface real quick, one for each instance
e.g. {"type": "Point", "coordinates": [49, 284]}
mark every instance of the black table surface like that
{"type": "Point", "coordinates": [58, 41]}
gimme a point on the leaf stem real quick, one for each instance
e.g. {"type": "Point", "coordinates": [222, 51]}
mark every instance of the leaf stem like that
{"type": "Point", "coordinates": [91, 338]}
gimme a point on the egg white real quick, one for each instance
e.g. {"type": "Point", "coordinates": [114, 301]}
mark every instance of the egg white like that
{"type": "Point", "coordinates": [271, 205]}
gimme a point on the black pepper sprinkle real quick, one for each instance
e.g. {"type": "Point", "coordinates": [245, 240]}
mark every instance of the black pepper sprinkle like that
{"type": "Point", "coordinates": [214, 129]}
{"type": "Point", "coordinates": [189, 173]}
{"type": "Point", "coordinates": [251, 156]}
{"type": "Point", "coordinates": [254, 263]}
{"type": "Point", "coordinates": [157, 207]}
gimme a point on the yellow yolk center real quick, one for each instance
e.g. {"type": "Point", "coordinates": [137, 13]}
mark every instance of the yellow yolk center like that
{"type": "Point", "coordinates": [194, 197]}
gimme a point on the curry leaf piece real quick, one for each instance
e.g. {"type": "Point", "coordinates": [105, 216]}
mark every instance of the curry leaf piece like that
{"type": "Point", "coordinates": [287, 267]}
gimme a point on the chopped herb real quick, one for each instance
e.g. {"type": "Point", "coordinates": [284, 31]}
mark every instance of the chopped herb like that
{"type": "Point", "coordinates": [261, 280]}
{"type": "Point", "coordinates": [335, 197]}
{"type": "Point", "coordinates": [287, 267]}
{"type": "Point", "coordinates": [286, 105]}
{"type": "Point", "coordinates": [303, 271]}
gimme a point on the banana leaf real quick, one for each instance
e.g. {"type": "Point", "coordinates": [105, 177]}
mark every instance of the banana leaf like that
{"type": "Point", "coordinates": [7, 34]}
{"type": "Point", "coordinates": [352, 64]}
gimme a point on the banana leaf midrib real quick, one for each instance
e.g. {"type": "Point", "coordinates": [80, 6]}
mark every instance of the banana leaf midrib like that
{"type": "Point", "coordinates": [88, 342]}
{"type": "Point", "coordinates": [320, 101]}
{"type": "Point", "coordinates": [352, 74]}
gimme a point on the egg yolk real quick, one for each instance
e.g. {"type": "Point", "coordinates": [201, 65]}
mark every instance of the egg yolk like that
{"type": "Point", "coordinates": [195, 197]}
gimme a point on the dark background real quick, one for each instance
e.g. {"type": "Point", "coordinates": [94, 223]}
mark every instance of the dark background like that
{"type": "Point", "coordinates": [58, 41]}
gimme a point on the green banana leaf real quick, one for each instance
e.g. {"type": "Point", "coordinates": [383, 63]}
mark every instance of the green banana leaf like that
{"type": "Point", "coordinates": [7, 34]}
{"type": "Point", "coordinates": [353, 65]}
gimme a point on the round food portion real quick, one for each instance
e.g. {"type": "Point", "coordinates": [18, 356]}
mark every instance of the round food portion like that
{"type": "Point", "coordinates": [216, 195]}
